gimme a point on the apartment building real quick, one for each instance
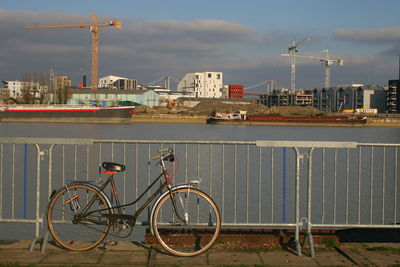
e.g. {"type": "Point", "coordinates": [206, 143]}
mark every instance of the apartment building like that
{"type": "Point", "coordinates": [202, 84]}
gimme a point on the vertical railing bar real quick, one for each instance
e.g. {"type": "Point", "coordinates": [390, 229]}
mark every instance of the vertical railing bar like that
{"type": "Point", "coordinates": [198, 161]}
{"type": "Point", "coordinates": [347, 184]}
{"type": "Point", "coordinates": [63, 171]}
{"type": "Point", "coordinates": [173, 165]}
{"type": "Point", "coordinates": [112, 151]}
{"type": "Point", "coordinates": [124, 179]}
{"type": "Point", "coordinates": [210, 168]}
{"type": "Point", "coordinates": [247, 183]}
{"type": "Point", "coordinates": [323, 185]}
{"type": "Point", "coordinates": [63, 164]}
{"type": "Point", "coordinates": [13, 182]}
{"type": "Point", "coordinates": [383, 184]}
{"type": "Point", "coordinates": [259, 184]}
{"type": "Point", "coordinates": [371, 186]}
{"type": "Point", "coordinates": [395, 186]}
{"type": "Point", "coordinates": [75, 162]}
{"type": "Point", "coordinates": [223, 182]}
{"type": "Point", "coordinates": [234, 177]}
{"type": "Point", "coordinates": [297, 201]}
{"type": "Point", "coordinates": [50, 171]}
{"type": "Point", "coordinates": [149, 169]}
{"type": "Point", "coordinates": [309, 200]}
{"type": "Point", "coordinates": [334, 186]}
{"type": "Point", "coordinates": [272, 185]}
{"type": "Point", "coordinates": [186, 163]}
{"type": "Point", "coordinates": [87, 162]}
{"type": "Point", "coordinates": [136, 173]}
{"type": "Point", "coordinates": [1, 181]}
{"type": "Point", "coordinates": [359, 185]}
{"type": "Point", "coordinates": [100, 156]}
{"type": "Point", "coordinates": [37, 216]}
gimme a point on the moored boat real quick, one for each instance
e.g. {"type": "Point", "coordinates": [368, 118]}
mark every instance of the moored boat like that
{"type": "Point", "coordinates": [64, 111]}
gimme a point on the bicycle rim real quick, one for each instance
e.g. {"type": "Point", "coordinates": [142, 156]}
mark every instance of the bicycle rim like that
{"type": "Point", "coordinates": [78, 234]}
{"type": "Point", "coordinates": [197, 233]}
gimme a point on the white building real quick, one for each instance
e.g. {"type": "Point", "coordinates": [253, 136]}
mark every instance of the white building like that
{"type": "Point", "coordinates": [108, 81]}
{"type": "Point", "coordinates": [16, 88]}
{"type": "Point", "coordinates": [202, 84]}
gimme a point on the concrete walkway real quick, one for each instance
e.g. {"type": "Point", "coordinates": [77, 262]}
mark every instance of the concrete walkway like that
{"type": "Point", "coordinates": [136, 254]}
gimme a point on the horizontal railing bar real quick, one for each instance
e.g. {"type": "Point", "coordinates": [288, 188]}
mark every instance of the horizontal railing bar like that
{"type": "Point", "coordinates": [355, 225]}
{"type": "Point", "coordinates": [325, 144]}
{"type": "Point", "coordinates": [20, 220]}
{"type": "Point", "coordinates": [206, 142]}
{"type": "Point", "coordinates": [46, 141]}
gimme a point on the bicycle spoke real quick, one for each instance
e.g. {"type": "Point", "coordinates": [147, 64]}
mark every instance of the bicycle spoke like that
{"type": "Point", "coordinates": [192, 227]}
{"type": "Point", "coordinates": [69, 228]}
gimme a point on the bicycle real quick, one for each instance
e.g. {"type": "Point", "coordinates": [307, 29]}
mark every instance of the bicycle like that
{"type": "Point", "coordinates": [185, 220]}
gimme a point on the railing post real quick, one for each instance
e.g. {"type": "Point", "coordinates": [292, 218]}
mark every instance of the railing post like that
{"type": "Point", "coordinates": [297, 202]}
{"type": "Point", "coordinates": [309, 202]}
{"type": "Point", "coordinates": [37, 213]}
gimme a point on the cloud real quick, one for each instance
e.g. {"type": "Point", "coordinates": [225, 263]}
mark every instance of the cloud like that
{"type": "Point", "coordinates": [375, 36]}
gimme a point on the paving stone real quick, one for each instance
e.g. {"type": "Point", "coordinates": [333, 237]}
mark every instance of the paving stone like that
{"type": "Point", "coordinates": [166, 259]}
{"type": "Point", "coordinates": [22, 256]}
{"type": "Point", "coordinates": [18, 244]}
{"type": "Point", "coordinates": [222, 258]}
{"type": "Point", "coordinates": [332, 258]}
{"type": "Point", "coordinates": [286, 259]}
{"type": "Point", "coordinates": [382, 258]}
{"type": "Point", "coordinates": [124, 257]}
{"type": "Point", "coordinates": [73, 257]}
{"type": "Point", "coordinates": [125, 245]}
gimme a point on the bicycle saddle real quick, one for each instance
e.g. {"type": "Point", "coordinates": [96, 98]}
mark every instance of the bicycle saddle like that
{"type": "Point", "coordinates": [114, 167]}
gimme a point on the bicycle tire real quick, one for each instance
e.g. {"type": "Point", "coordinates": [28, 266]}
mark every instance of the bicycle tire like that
{"type": "Point", "coordinates": [200, 231]}
{"type": "Point", "coordinates": [82, 234]}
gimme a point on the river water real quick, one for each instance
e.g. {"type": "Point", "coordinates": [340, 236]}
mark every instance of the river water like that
{"type": "Point", "coordinates": [149, 131]}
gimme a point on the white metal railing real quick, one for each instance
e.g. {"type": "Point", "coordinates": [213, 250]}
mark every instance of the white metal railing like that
{"type": "Point", "coordinates": [274, 184]}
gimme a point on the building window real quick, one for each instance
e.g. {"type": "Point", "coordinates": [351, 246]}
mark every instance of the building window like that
{"type": "Point", "coordinates": [218, 76]}
{"type": "Point", "coordinates": [209, 75]}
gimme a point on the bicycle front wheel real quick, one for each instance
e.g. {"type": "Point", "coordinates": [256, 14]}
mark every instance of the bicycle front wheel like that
{"type": "Point", "coordinates": [189, 229]}
{"type": "Point", "coordinates": [74, 217]}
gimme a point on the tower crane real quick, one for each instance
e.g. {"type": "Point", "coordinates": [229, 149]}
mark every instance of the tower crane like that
{"type": "Point", "coordinates": [327, 61]}
{"type": "Point", "coordinates": [292, 52]}
{"type": "Point", "coordinates": [94, 29]}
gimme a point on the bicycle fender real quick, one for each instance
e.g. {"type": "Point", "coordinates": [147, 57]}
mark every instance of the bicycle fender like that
{"type": "Point", "coordinates": [159, 199]}
{"type": "Point", "coordinates": [87, 184]}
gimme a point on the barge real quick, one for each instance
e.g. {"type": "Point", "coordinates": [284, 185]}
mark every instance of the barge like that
{"type": "Point", "coordinates": [236, 118]}
{"type": "Point", "coordinates": [63, 112]}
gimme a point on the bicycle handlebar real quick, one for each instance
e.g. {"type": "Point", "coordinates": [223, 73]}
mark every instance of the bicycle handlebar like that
{"type": "Point", "coordinates": [163, 150]}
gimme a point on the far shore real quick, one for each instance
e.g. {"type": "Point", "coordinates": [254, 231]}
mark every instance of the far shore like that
{"type": "Point", "coordinates": [201, 119]}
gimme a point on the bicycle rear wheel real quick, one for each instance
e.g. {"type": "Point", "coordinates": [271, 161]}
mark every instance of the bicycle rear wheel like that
{"type": "Point", "coordinates": [195, 229]}
{"type": "Point", "coordinates": [74, 217]}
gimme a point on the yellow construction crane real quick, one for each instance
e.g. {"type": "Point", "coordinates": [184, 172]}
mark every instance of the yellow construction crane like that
{"type": "Point", "coordinates": [94, 28]}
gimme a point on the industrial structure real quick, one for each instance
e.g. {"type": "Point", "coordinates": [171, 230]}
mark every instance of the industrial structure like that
{"type": "Point", "coordinates": [94, 29]}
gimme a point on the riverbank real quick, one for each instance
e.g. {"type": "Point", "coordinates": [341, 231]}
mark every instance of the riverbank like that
{"type": "Point", "coordinates": [372, 121]}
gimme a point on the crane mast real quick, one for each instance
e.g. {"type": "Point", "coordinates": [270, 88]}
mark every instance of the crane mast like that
{"type": "Point", "coordinates": [94, 29]}
{"type": "Point", "coordinates": [292, 53]}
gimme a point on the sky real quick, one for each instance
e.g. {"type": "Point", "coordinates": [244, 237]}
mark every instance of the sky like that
{"type": "Point", "coordinates": [242, 39]}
